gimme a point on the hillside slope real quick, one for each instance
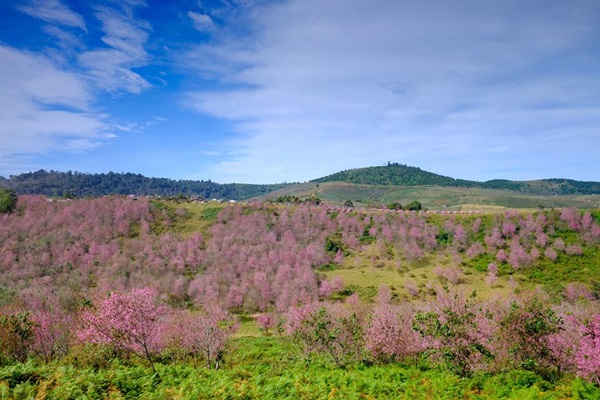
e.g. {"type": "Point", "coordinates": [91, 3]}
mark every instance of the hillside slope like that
{"type": "Point", "coordinates": [432, 197]}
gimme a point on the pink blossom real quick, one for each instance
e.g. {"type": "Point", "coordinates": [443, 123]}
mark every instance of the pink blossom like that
{"type": "Point", "coordinates": [587, 357]}
{"type": "Point", "coordinates": [128, 322]}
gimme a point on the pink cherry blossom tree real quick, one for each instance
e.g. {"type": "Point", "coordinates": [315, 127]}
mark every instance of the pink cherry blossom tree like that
{"type": "Point", "coordinates": [587, 357]}
{"type": "Point", "coordinates": [128, 322]}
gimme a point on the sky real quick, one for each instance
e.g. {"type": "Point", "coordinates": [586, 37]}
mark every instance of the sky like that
{"type": "Point", "coordinates": [259, 91]}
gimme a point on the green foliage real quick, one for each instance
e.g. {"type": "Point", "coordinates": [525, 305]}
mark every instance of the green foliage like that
{"type": "Point", "coordinates": [287, 199]}
{"type": "Point", "coordinates": [414, 206]}
{"type": "Point", "coordinates": [443, 237]}
{"type": "Point", "coordinates": [394, 206]}
{"type": "Point", "coordinates": [16, 333]}
{"type": "Point", "coordinates": [339, 338]}
{"type": "Point", "coordinates": [56, 184]}
{"type": "Point", "coordinates": [527, 326]}
{"type": "Point", "coordinates": [335, 243]}
{"type": "Point", "coordinates": [7, 296]}
{"type": "Point", "coordinates": [348, 203]}
{"type": "Point", "coordinates": [8, 200]}
{"type": "Point", "coordinates": [393, 174]}
{"type": "Point", "coordinates": [454, 327]}
{"type": "Point", "coordinates": [262, 369]}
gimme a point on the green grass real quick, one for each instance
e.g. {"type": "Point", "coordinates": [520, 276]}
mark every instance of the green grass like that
{"type": "Point", "coordinates": [364, 276]}
{"type": "Point", "coordinates": [434, 197]}
{"type": "Point", "coordinates": [269, 368]}
{"type": "Point", "coordinates": [191, 217]}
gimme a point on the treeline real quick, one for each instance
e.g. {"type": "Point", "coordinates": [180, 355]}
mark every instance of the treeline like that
{"type": "Point", "coordinates": [394, 174]}
{"type": "Point", "coordinates": [76, 184]}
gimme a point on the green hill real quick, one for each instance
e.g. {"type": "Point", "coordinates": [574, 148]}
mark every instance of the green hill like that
{"type": "Point", "coordinates": [394, 174]}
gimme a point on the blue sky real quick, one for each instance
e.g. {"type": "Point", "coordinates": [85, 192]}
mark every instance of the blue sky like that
{"type": "Point", "coordinates": [290, 90]}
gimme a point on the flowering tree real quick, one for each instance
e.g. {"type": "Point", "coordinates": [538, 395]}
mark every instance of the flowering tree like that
{"type": "Point", "coordinates": [587, 357]}
{"type": "Point", "coordinates": [205, 334]}
{"type": "Point", "coordinates": [525, 329]}
{"type": "Point", "coordinates": [51, 334]}
{"type": "Point", "coordinates": [266, 322]}
{"type": "Point", "coordinates": [389, 335]}
{"type": "Point", "coordinates": [335, 331]}
{"type": "Point", "coordinates": [128, 322]}
{"type": "Point", "coordinates": [457, 331]}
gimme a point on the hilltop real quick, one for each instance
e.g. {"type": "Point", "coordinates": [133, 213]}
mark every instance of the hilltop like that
{"type": "Point", "coordinates": [394, 174]}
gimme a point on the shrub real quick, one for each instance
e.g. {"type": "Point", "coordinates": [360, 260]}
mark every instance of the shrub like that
{"type": "Point", "coordinates": [16, 335]}
{"type": "Point", "coordinates": [525, 328]}
{"type": "Point", "coordinates": [336, 332]}
{"type": "Point", "coordinates": [456, 331]}
{"type": "Point", "coordinates": [390, 335]}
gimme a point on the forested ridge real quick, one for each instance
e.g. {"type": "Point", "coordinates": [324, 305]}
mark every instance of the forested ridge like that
{"type": "Point", "coordinates": [57, 184]}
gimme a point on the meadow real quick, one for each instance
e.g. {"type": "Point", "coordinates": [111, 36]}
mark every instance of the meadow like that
{"type": "Point", "coordinates": [117, 297]}
{"type": "Point", "coordinates": [437, 198]}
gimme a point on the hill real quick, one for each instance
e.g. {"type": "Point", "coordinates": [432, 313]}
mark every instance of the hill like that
{"type": "Point", "coordinates": [57, 184]}
{"type": "Point", "coordinates": [394, 174]}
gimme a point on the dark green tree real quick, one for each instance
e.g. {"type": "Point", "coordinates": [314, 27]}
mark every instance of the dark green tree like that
{"type": "Point", "coordinates": [8, 200]}
{"type": "Point", "coordinates": [414, 206]}
{"type": "Point", "coordinates": [394, 206]}
{"type": "Point", "coordinates": [348, 203]}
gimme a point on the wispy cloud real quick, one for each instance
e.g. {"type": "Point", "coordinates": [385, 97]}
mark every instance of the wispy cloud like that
{"type": "Point", "coordinates": [43, 109]}
{"type": "Point", "coordinates": [53, 11]}
{"type": "Point", "coordinates": [202, 22]}
{"type": "Point", "coordinates": [111, 68]}
{"type": "Point", "coordinates": [68, 43]}
{"type": "Point", "coordinates": [454, 88]}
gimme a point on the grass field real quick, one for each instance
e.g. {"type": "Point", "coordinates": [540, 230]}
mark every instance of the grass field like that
{"type": "Point", "coordinates": [434, 197]}
{"type": "Point", "coordinates": [362, 276]}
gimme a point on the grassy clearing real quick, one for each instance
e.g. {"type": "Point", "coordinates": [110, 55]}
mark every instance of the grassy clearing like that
{"type": "Point", "coordinates": [362, 276]}
{"type": "Point", "coordinates": [187, 218]}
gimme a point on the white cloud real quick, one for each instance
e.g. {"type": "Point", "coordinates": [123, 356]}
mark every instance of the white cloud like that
{"type": "Point", "coordinates": [202, 22]}
{"type": "Point", "coordinates": [458, 88]}
{"type": "Point", "coordinates": [53, 11]}
{"type": "Point", "coordinates": [67, 42]}
{"type": "Point", "coordinates": [111, 68]}
{"type": "Point", "coordinates": [43, 109]}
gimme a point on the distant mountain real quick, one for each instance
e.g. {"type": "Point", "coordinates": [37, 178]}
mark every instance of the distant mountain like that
{"type": "Point", "coordinates": [394, 174]}
{"type": "Point", "coordinates": [58, 184]}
